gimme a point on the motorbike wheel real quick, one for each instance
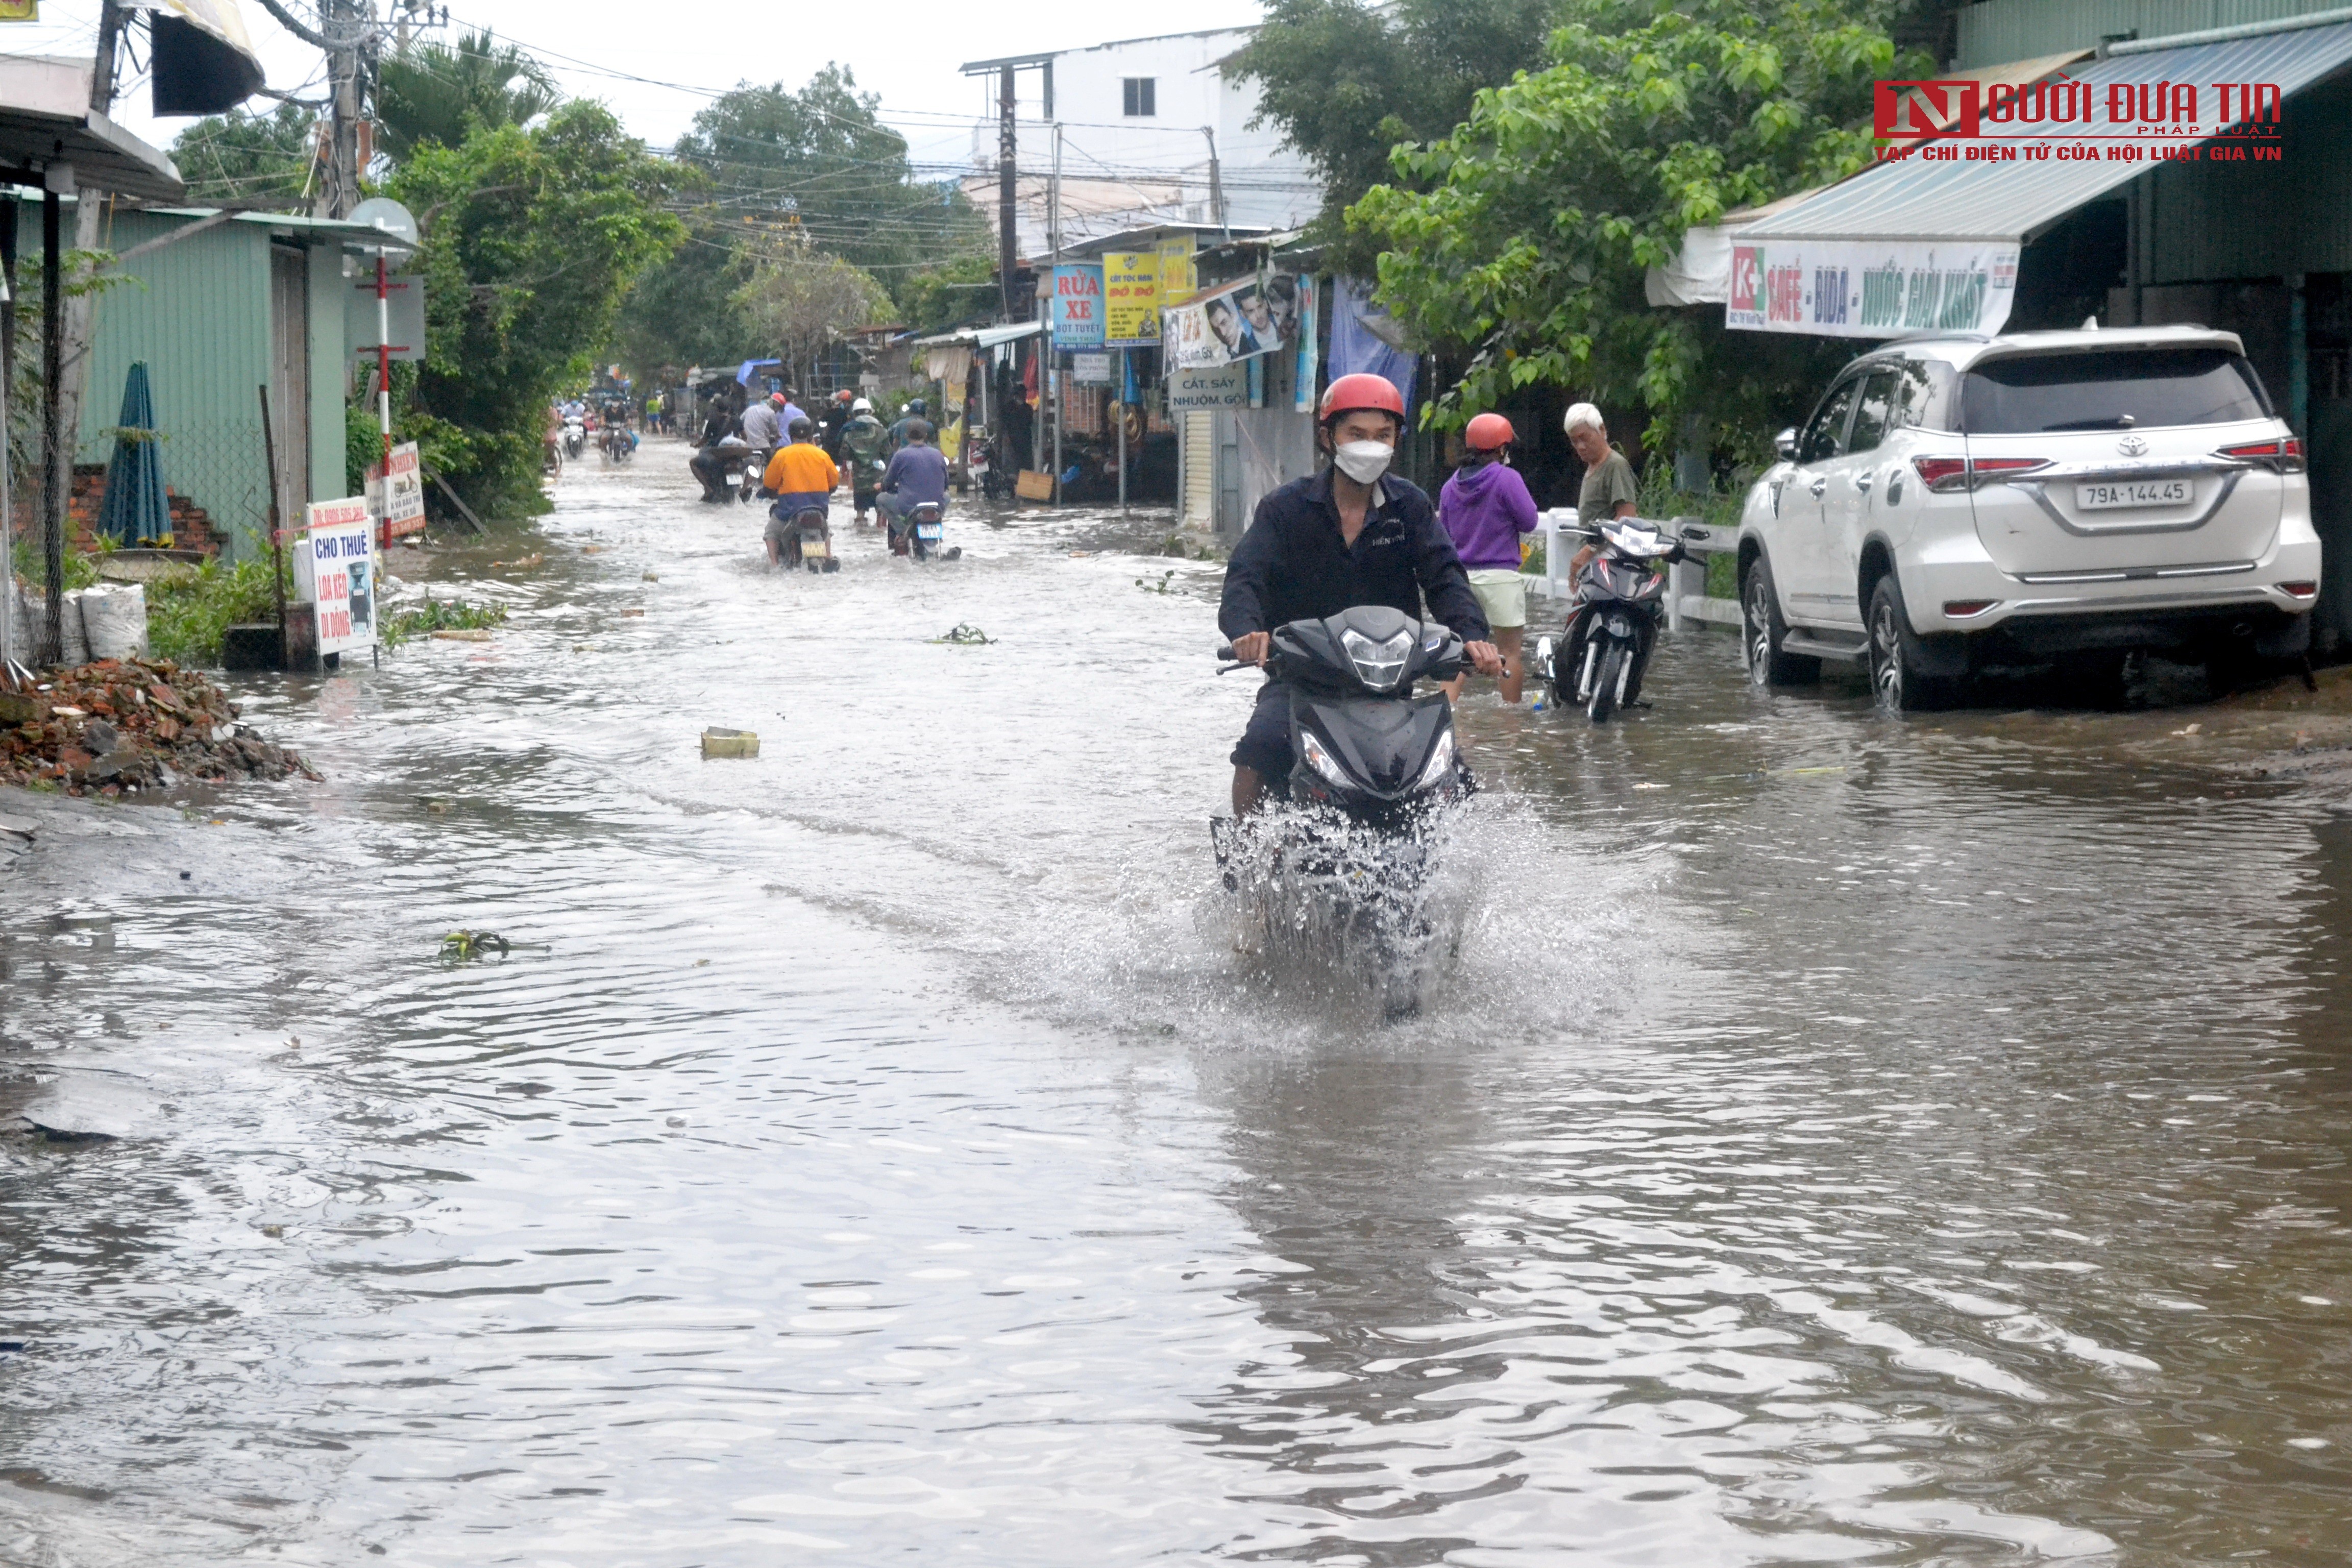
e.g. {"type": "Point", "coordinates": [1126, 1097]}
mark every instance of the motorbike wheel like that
{"type": "Point", "coordinates": [1606, 682]}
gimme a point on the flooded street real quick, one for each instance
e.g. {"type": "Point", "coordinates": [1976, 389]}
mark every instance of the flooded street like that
{"type": "Point", "coordinates": [1842, 1139]}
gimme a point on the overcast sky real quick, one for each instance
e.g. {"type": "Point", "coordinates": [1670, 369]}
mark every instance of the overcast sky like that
{"type": "Point", "coordinates": [657, 64]}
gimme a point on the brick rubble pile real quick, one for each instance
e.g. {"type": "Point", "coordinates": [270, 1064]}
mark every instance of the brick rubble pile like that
{"type": "Point", "coordinates": [120, 725]}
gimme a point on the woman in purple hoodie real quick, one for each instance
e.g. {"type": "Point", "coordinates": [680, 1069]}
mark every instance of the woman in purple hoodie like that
{"type": "Point", "coordinates": [1486, 508]}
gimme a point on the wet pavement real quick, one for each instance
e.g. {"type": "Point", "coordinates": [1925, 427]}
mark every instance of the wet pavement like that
{"type": "Point", "coordinates": [1842, 1139]}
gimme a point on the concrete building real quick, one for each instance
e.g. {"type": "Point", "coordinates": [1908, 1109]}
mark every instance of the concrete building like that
{"type": "Point", "coordinates": [1149, 129]}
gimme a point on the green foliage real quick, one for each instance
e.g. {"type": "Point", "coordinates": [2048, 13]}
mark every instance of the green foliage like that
{"type": "Point", "coordinates": [186, 619]}
{"type": "Point", "coordinates": [1525, 235]}
{"type": "Point", "coordinates": [433, 92]}
{"type": "Point", "coordinates": [814, 166]}
{"type": "Point", "coordinates": [242, 157]}
{"type": "Point", "coordinates": [1346, 81]}
{"type": "Point", "coordinates": [940, 297]}
{"type": "Point", "coordinates": [437, 615]}
{"type": "Point", "coordinates": [820, 161]}
{"type": "Point", "coordinates": [81, 571]}
{"type": "Point", "coordinates": [799, 299]}
{"type": "Point", "coordinates": [531, 240]}
{"type": "Point", "coordinates": [362, 445]}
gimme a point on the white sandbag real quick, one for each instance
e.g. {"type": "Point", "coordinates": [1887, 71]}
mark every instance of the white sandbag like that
{"type": "Point", "coordinates": [114, 620]}
{"type": "Point", "coordinates": [30, 625]}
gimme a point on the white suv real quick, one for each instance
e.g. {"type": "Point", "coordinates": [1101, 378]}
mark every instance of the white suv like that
{"type": "Point", "coordinates": [1957, 502]}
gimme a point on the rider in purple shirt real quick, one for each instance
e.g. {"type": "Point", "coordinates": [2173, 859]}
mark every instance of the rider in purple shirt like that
{"type": "Point", "coordinates": [1486, 508]}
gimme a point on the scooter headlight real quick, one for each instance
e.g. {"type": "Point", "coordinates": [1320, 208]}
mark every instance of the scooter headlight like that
{"type": "Point", "coordinates": [1441, 764]}
{"type": "Point", "coordinates": [1322, 761]}
{"type": "Point", "coordinates": [1379, 665]}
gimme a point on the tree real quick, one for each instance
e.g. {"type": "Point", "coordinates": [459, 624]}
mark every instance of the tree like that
{"type": "Point", "coordinates": [531, 241]}
{"type": "Point", "coordinates": [432, 93]}
{"type": "Point", "coordinates": [801, 300]}
{"type": "Point", "coordinates": [1347, 81]}
{"type": "Point", "coordinates": [1523, 238]}
{"type": "Point", "coordinates": [822, 160]}
{"type": "Point", "coordinates": [241, 157]}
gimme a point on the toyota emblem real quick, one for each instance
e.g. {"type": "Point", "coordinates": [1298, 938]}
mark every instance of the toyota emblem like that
{"type": "Point", "coordinates": [2131, 446]}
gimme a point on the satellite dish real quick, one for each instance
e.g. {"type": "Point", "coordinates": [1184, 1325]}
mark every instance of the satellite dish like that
{"type": "Point", "coordinates": [389, 215]}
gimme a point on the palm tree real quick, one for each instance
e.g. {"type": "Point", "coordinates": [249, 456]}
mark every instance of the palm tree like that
{"type": "Point", "coordinates": [431, 92]}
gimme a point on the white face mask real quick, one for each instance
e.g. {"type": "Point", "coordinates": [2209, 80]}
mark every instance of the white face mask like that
{"type": "Point", "coordinates": [1364, 461]}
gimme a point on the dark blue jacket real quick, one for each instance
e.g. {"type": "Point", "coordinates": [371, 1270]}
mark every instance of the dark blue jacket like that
{"type": "Point", "coordinates": [1293, 565]}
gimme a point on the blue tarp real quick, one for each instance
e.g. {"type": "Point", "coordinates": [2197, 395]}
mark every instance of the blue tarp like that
{"type": "Point", "coordinates": [1355, 346]}
{"type": "Point", "coordinates": [138, 511]}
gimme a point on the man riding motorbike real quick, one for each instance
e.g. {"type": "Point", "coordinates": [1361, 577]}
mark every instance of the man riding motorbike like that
{"type": "Point", "coordinates": [829, 425]}
{"type": "Point", "coordinates": [803, 479]}
{"type": "Point", "coordinates": [1351, 534]}
{"type": "Point", "coordinates": [918, 475]}
{"type": "Point", "coordinates": [865, 446]}
{"type": "Point", "coordinates": [918, 413]}
{"type": "Point", "coordinates": [764, 427]}
{"type": "Point", "coordinates": [718, 450]}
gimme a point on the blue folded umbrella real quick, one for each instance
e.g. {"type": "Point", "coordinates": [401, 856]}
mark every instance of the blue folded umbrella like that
{"type": "Point", "coordinates": [138, 509]}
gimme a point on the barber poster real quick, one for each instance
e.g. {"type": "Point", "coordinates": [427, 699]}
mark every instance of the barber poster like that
{"type": "Point", "coordinates": [397, 499]}
{"type": "Point", "coordinates": [1254, 316]}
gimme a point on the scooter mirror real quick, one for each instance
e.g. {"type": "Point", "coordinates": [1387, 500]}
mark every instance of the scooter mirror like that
{"type": "Point", "coordinates": [1695, 534]}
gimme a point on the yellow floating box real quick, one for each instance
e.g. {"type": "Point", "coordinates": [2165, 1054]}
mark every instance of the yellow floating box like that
{"type": "Point", "coordinates": [729, 743]}
{"type": "Point", "coordinates": [1033, 485]}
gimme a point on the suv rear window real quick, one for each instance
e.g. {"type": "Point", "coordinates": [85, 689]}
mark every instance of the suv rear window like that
{"type": "Point", "coordinates": [2110, 389]}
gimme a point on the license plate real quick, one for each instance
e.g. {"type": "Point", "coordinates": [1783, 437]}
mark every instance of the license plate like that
{"type": "Point", "coordinates": [814, 549]}
{"type": "Point", "coordinates": [2136, 492]}
{"type": "Point", "coordinates": [927, 530]}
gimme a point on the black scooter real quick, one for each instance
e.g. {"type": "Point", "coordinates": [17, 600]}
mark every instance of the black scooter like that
{"type": "Point", "coordinates": [808, 542]}
{"type": "Point", "coordinates": [921, 532]}
{"type": "Point", "coordinates": [1341, 876]}
{"type": "Point", "coordinates": [1620, 601]}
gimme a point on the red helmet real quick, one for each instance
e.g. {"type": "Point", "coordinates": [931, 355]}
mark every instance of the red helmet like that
{"type": "Point", "coordinates": [1362, 390]}
{"type": "Point", "coordinates": [1489, 433]}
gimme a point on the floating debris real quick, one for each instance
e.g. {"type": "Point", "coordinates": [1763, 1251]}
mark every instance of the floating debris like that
{"type": "Point", "coordinates": [965, 635]}
{"type": "Point", "coordinates": [461, 946]}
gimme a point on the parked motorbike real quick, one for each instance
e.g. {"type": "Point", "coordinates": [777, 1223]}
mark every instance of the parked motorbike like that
{"type": "Point", "coordinates": [1339, 871]}
{"type": "Point", "coordinates": [808, 542]}
{"type": "Point", "coordinates": [1620, 603]}
{"type": "Point", "coordinates": [980, 467]}
{"type": "Point", "coordinates": [575, 435]}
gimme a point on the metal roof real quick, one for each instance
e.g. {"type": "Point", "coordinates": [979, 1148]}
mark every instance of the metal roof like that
{"type": "Point", "coordinates": [981, 337]}
{"type": "Point", "coordinates": [46, 121]}
{"type": "Point", "coordinates": [1957, 199]}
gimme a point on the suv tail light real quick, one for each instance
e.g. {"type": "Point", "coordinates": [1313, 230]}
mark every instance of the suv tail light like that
{"type": "Point", "coordinates": [1942, 473]}
{"type": "Point", "coordinates": [2283, 456]}
{"type": "Point", "coordinates": [1983, 468]}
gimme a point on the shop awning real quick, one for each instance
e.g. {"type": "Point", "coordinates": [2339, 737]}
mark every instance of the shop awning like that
{"type": "Point", "coordinates": [48, 132]}
{"type": "Point", "coordinates": [1970, 201]}
{"type": "Point", "coordinates": [981, 337]}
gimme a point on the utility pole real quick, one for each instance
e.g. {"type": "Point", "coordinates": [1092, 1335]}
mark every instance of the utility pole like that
{"type": "Point", "coordinates": [70, 369]}
{"type": "Point", "coordinates": [1216, 188]}
{"type": "Point", "coordinates": [1008, 150]}
{"type": "Point", "coordinates": [344, 24]}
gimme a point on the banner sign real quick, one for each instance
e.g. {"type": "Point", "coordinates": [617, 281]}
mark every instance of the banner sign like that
{"type": "Point", "coordinates": [1078, 306]}
{"type": "Point", "coordinates": [398, 503]}
{"type": "Point", "coordinates": [1177, 275]}
{"type": "Point", "coordinates": [1090, 368]}
{"type": "Point", "coordinates": [1131, 299]}
{"type": "Point", "coordinates": [1871, 287]}
{"type": "Point", "coordinates": [334, 570]}
{"type": "Point", "coordinates": [1253, 315]}
{"type": "Point", "coordinates": [1213, 387]}
{"type": "Point", "coordinates": [1302, 383]}
{"type": "Point", "coordinates": [20, 10]}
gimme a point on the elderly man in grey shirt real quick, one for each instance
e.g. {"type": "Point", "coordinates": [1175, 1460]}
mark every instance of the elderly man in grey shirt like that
{"type": "Point", "coordinates": [760, 427]}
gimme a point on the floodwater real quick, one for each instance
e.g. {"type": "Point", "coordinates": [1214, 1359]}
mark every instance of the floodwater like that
{"type": "Point", "coordinates": [1840, 1139]}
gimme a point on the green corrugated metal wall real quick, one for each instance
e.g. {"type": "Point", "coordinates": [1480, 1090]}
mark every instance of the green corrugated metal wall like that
{"type": "Point", "coordinates": [198, 312]}
{"type": "Point", "coordinates": [2000, 30]}
{"type": "Point", "coordinates": [2213, 221]}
